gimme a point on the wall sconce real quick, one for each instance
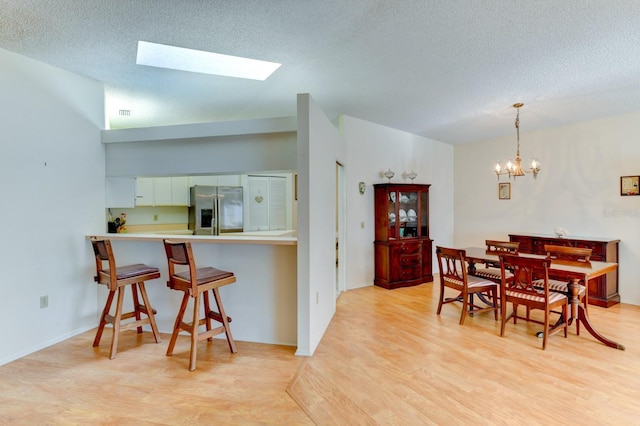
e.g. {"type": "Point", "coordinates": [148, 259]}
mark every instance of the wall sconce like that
{"type": "Point", "coordinates": [361, 187]}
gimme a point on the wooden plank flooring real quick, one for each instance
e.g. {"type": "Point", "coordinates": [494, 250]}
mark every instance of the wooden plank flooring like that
{"type": "Point", "coordinates": [387, 358]}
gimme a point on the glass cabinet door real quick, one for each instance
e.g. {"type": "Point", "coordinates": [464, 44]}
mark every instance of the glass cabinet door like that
{"type": "Point", "coordinates": [408, 214]}
{"type": "Point", "coordinates": [391, 212]}
{"type": "Point", "coordinates": [424, 214]}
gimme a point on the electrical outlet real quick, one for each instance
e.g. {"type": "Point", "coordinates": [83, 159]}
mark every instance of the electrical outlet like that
{"type": "Point", "coordinates": [155, 217]}
{"type": "Point", "coordinates": [44, 302]}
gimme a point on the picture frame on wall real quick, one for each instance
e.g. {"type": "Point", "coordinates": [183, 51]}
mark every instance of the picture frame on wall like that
{"type": "Point", "coordinates": [629, 185]}
{"type": "Point", "coordinates": [504, 191]}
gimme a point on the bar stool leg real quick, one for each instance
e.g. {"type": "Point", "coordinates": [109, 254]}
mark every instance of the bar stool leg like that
{"type": "Point", "coordinates": [176, 326]}
{"type": "Point", "coordinates": [116, 323]}
{"type": "Point", "coordinates": [148, 310]}
{"type": "Point", "coordinates": [103, 318]}
{"type": "Point", "coordinates": [194, 332]}
{"type": "Point", "coordinates": [207, 309]}
{"type": "Point", "coordinates": [224, 320]}
{"type": "Point", "coordinates": [136, 304]}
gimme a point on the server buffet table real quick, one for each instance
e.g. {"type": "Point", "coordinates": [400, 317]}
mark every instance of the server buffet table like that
{"type": "Point", "coordinates": [262, 302]}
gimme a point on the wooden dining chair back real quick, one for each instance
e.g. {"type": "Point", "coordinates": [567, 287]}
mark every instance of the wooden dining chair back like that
{"type": "Point", "coordinates": [453, 275]}
{"type": "Point", "coordinates": [116, 278]}
{"type": "Point", "coordinates": [491, 271]}
{"type": "Point", "coordinates": [559, 281]}
{"type": "Point", "coordinates": [196, 283]}
{"type": "Point", "coordinates": [521, 291]}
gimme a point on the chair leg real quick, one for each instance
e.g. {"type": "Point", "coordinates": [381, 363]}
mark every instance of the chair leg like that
{"type": "Point", "coordinates": [149, 312]}
{"type": "Point", "coordinates": [545, 335]}
{"type": "Point", "coordinates": [225, 321]}
{"type": "Point", "coordinates": [441, 299]}
{"type": "Point", "coordinates": [116, 323]}
{"type": "Point", "coordinates": [176, 326]}
{"type": "Point", "coordinates": [103, 318]}
{"type": "Point", "coordinates": [136, 304]}
{"type": "Point", "coordinates": [494, 294]}
{"type": "Point", "coordinates": [194, 332]}
{"type": "Point", "coordinates": [503, 316]}
{"type": "Point", "coordinates": [207, 309]}
{"type": "Point", "coordinates": [465, 307]}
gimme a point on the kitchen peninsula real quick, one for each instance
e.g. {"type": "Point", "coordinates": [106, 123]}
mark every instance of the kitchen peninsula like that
{"type": "Point", "coordinates": [262, 302]}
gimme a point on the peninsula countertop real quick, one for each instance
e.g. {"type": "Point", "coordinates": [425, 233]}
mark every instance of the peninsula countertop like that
{"type": "Point", "coordinates": [287, 237]}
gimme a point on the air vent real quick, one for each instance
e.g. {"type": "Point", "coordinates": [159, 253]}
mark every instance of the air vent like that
{"type": "Point", "coordinates": [124, 112]}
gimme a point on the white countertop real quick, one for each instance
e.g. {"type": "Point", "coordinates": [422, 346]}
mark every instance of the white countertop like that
{"type": "Point", "coordinates": [256, 237]}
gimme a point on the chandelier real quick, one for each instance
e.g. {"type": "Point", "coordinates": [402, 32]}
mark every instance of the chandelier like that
{"type": "Point", "coordinates": [514, 167]}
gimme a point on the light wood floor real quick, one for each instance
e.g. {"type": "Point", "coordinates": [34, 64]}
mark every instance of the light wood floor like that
{"type": "Point", "coordinates": [386, 358]}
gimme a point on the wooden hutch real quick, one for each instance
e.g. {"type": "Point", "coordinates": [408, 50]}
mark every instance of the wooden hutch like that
{"type": "Point", "coordinates": [402, 246]}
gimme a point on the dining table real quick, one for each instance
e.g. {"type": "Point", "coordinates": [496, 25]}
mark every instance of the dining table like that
{"type": "Point", "coordinates": [575, 272]}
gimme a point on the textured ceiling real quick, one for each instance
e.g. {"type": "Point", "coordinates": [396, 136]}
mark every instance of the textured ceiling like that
{"type": "Point", "coordinates": [445, 69]}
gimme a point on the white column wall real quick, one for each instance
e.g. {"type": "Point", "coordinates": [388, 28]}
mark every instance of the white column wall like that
{"type": "Point", "coordinates": [53, 187]}
{"type": "Point", "coordinates": [578, 189]}
{"type": "Point", "coordinates": [318, 149]}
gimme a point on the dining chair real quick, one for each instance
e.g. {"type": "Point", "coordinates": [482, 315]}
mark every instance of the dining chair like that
{"type": "Point", "coordinates": [559, 281]}
{"type": "Point", "coordinates": [196, 284]}
{"type": "Point", "coordinates": [521, 291]}
{"type": "Point", "coordinates": [491, 271]}
{"type": "Point", "coordinates": [453, 275]}
{"type": "Point", "coordinates": [117, 278]}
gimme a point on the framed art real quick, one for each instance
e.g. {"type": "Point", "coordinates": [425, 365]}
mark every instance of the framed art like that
{"type": "Point", "coordinates": [504, 191]}
{"type": "Point", "coordinates": [630, 185]}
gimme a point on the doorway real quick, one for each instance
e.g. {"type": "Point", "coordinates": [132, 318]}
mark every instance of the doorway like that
{"type": "Point", "coordinates": [341, 272]}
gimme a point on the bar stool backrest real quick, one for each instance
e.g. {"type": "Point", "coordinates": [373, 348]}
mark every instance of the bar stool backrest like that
{"type": "Point", "coordinates": [104, 253]}
{"type": "Point", "coordinates": [180, 253]}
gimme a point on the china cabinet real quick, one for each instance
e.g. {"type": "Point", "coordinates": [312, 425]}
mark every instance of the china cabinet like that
{"type": "Point", "coordinates": [402, 246]}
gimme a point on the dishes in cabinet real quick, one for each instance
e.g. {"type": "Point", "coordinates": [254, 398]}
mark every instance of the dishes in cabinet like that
{"type": "Point", "coordinates": [403, 215]}
{"type": "Point", "coordinates": [404, 199]}
{"type": "Point", "coordinates": [392, 197]}
{"type": "Point", "coordinates": [392, 217]}
{"type": "Point", "coordinates": [412, 216]}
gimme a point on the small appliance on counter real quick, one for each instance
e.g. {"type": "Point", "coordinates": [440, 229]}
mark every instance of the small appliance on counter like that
{"type": "Point", "coordinates": [214, 210]}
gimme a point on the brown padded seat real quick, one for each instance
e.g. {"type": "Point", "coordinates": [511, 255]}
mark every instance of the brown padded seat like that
{"type": "Point", "coordinates": [205, 275]}
{"type": "Point", "coordinates": [129, 271]}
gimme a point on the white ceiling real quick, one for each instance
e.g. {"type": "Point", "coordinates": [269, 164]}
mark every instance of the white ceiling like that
{"type": "Point", "coordinates": [445, 69]}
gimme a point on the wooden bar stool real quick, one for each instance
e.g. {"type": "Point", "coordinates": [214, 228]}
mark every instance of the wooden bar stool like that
{"type": "Point", "coordinates": [117, 278]}
{"type": "Point", "coordinates": [196, 283]}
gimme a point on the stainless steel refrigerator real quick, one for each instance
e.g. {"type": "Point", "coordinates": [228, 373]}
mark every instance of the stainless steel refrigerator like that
{"type": "Point", "coordinates": [214, 210]}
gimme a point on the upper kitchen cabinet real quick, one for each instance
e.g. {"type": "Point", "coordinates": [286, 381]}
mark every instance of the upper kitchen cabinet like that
{"type": "Point", "coordinates": [162, 191]}
{"type": "Point", "coordinates": [121, 192]}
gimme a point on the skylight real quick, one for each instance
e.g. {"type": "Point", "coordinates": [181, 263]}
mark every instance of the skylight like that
{"type": "Point", "coordinates": [183, 59]}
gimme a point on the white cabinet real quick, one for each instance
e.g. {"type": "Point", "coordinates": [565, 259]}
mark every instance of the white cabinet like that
{"type": "Point", "coordinates": [144, 192]}
{"type": "Point", "coordinates": [162, 191]}
{"type": "Point", "coordinates": [204, 180]}
{"type": "Point", "coordinates": [266, 203]}
{"type": "Point", "coordinates": [229, 180]}
{"type": "Point", "coordinates": [180, 191]}
{"type": "Point", "coordinates": [121, 192]}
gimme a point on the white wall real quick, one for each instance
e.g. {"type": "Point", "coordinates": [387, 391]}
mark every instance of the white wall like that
{"type": "Point", "coordinates": [578, 189]}
{"type": "Point", "coordinates": [373, 149]}
{"type": "Point", "coordinates": [319, 146]}
{"type": "Point", "coordinates": [235, 154]}
{"type": "Point", "coordinates": [52, 186]}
